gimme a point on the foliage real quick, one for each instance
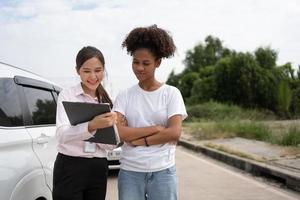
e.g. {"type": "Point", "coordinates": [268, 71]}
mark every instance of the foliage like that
{"type": "Point", "coordinates": [266, 57]}
{"type": "Point", "coordinates": [235, 79]}
{"type": "Point", "coordinates": [295, 101]}
{"type": "Point", "coordinates": [218, 112]}
{"type": "Point", "coordinates": [284, 98]}
{"type": "Point", "coordinates": [231, 128]}
{"type": "Point", "coordinates": [206, 54]}
{"type": "Point", "coordinates": [251, 80]}
{"type": "Point", "coordinates": [292, 138]}
{"type": "Point", "coordinates": [253, 130]}
{"type": "Point", "coordinates": [186, 83]}
{"type": "Point", "coordinates": [173, 79]}
{"type": "Point", "coordinates": [204, 88]}
{"type": "Point", "coordinates": [246, 129]}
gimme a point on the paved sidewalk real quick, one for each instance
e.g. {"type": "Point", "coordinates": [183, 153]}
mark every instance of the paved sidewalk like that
{"type": "Point", "coordinates": [258, 158]}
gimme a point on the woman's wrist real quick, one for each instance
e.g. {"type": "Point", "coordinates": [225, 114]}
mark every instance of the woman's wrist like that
{"type": "Point", "coordinates": [146, 142]}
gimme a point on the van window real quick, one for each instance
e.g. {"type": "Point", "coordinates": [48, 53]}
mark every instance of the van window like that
{"type": "Point", "coordinates": [41, 105]}
{"type": "Point", "coordinates": [10, 108]}
{"type": "Point", "coordinates": [55, 95]}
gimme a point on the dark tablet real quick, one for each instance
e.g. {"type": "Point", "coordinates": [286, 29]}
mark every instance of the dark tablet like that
{"type": "Point", "coordinates": [80, 112]}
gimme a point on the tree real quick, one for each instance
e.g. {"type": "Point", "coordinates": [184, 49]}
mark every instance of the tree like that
{"type": "Point", "coordinates": [295, 102]}
{"type": "Point", "coordinates": [213, 72]}
{"type": "Point", "coordinates": [288, 70]}
{"type": "Point", "coordinates": [186, 84]}
{"type": "Point", "coordinates": [235, 81]}
{"type": "Point", "coordinates": [284, 98]}
{"type": "Point", "coordinates": [241, 80]}
{"type": "Point", "coordinates": [204, 88]}
{"type": "Point", "coordinates": [266, 87]}
{"type": "Point", "coordinates": [266, 57]}
{"type": "Point", "coordinates": [173, 79]}
{"type": "Point", "coordinates": [205, 54]}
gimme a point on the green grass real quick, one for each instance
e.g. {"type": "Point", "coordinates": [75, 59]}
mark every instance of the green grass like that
{"type": "Point", "coordinates": [245, 129]}
{"type": "Point", "coordinates": [225, 129]}
{"type": "Point", "coordinates": [213, 120]}
{"type": "Point", "coordinates": [216, 111]}
{"type": "Point", "coordinates": [291, 138]}
{"type": "Point", "coordinates": [206, 130]}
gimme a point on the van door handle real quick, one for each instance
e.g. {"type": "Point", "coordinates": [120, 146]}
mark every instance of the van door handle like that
{"type": "Point", "coordinates": [43, 139]}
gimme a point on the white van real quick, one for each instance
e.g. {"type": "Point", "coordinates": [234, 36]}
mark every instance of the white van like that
{"type": "Point", "coordinates": [27, 130]}
{"type": "Point", "coordinates": [27, 135]}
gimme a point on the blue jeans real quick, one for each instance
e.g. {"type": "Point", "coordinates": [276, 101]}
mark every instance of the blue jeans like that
{"type": "Point", "coordinates": [160, 185]}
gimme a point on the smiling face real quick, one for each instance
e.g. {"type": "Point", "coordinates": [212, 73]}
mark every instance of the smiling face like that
{"type": "Point", "coordinates": [144, 64]}
{"type": "Point", "coordinates": [91, 74]}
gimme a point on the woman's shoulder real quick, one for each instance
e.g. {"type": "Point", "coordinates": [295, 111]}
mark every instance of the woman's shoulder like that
{"type": "Point", "coordinates": [67, 90]}
{"type": "Point", "coordinates": [171, 88]}
{"type": "Point", "coordinates": [129, 90]}
{"type": "Point", "coordinates": [70, 91]}
{"type": "Point", "coordinates": [171, 92]}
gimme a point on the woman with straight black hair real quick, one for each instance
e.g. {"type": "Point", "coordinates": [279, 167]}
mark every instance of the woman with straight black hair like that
{"type": "Point", "coordinates": [80, 169]}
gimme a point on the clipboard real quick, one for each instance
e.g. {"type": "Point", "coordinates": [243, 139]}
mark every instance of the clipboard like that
{"type": "Point", "coordinates": [80, 112]}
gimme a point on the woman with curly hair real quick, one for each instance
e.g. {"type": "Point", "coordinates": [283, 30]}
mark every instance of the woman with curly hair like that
{"type": "Point", "coordinates": [154, 112]}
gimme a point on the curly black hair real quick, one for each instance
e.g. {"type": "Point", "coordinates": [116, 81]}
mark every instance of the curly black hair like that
{"type": "Point", "coordinates": [157, 40]}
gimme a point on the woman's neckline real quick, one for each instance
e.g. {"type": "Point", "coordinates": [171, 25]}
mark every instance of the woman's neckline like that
{"type": "Point", "coordinates": [151, 91]}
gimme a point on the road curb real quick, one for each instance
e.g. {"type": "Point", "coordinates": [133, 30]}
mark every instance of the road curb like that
{"type": "Point", "coordinates": [289, 178]}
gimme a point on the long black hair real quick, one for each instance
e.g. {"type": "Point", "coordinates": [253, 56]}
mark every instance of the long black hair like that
{"type": "Point", "coordinates": [83, 55]}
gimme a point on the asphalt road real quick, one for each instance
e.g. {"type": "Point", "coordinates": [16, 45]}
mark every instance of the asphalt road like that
{"type": "Point", "coordinates": [200, 177]}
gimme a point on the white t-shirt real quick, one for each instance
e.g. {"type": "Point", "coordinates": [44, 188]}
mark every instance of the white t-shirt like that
{"type": "Point", "coordinates": [141, 109]}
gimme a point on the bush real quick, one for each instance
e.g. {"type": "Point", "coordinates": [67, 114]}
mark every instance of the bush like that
{"type": "Point", "coordinates": [254, 130]}
{"type": "Point", "coordinates": [292, 138]}
{"type": "Point", "coordinates": [217, 111]}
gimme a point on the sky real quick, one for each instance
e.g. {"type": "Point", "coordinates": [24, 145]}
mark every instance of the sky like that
{"type": "Point", "coordinates": [44, 36]}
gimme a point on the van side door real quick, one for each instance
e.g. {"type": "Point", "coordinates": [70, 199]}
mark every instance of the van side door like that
{"type": "Point", "coordinates": [41, 104]}
{"type": "Point", "coordinates": [17, 160]}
